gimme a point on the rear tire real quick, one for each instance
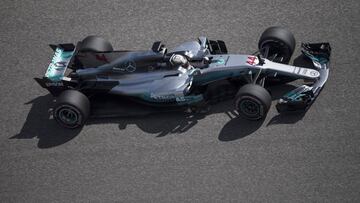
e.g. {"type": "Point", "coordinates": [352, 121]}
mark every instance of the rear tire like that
{"type": "Point", "coordinates": [252, 102]}
{"type": "Point", "coordinates": [71, 109]}
{"type": "Point", "coordinates": [95, 44]}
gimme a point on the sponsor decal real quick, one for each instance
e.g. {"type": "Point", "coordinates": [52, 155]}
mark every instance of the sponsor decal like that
{"type": "Point", "coordinates": [118, 68]}
{"type": "Point", "coordinates": [180, 99]}
{"type": "Point", "coordinates": [101, 57]}
{"type": "Point", "coordinates": [54, 84]}
{"type": "Point", "coordinates": [128, 66]}
{"type": "Point", "coordinates": [61, 64]}
{"type": "Point", "coordinates": [167, 98]}
{"type": "Point", "coordinates": [314, 73]}
{"type": "Point", "coordinates": [220, 61]}
{"type": "Point", "coordinates": [252, 60]}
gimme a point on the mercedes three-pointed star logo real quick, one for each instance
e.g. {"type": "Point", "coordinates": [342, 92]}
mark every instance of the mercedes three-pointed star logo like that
{"type": "Point", "coordinates": [129, 66]}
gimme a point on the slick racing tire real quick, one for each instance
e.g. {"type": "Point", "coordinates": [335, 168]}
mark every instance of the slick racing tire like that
{"type": "Point", "coordinates": [95, 44]}
{"type": "Point", "coordinates": [277, 44]}
{"type": "Point", "coordinates": [281, 44]}
{"type": "Point", "coordinates": [72, 109]}
{"type": "Point", "coordinates": [252, 102]}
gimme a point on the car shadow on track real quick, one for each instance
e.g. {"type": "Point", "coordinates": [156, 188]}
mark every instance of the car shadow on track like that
{"type": "Point", "coordinates": [166, 123]}
{"type": "Point", "coordinates": [39, 125]}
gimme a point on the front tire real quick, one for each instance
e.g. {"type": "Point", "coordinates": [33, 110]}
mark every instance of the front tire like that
{"type": "Point", "coordinates": [277, 44]}
{"type": "Point", "coordinates": [252, 102]}
{"type": "Point", "coordinates": [71, 109]}
{"type": "Point", "coordinates": [280, 42]}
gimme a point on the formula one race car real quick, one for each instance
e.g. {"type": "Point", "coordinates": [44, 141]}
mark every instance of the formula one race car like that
{"type": "Point", "coordinates": [185, 77]}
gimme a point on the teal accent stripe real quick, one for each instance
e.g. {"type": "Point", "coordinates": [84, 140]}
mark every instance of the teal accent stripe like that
{"type": "Point", "coordinates": [58, 65]}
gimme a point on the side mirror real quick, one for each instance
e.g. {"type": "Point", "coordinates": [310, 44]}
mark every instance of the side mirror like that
{"type": "Point", "coordinates": [157, 46]}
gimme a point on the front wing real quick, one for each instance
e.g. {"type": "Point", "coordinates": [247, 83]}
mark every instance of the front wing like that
{"type": "Point", "coordinates": [302, 97]}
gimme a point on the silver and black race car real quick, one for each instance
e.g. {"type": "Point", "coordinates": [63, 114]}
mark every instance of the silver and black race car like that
{"type": "Point", "coordinates": [184, 77]}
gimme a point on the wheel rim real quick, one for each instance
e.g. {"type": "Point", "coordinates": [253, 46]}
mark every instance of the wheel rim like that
{"type": "Point", "coordinates": [68, 115]}
{"type": "Point", "coordinates": [250, 107]}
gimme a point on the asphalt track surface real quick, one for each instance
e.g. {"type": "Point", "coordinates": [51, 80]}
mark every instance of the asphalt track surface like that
{"type": "Point", "coordinates": [171, 157]}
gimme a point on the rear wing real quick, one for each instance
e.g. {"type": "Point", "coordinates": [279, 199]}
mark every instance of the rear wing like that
{"type": "Point", "coordinates": [60, 61]}
{"type": "Point", "coordinates": [54, 79]}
